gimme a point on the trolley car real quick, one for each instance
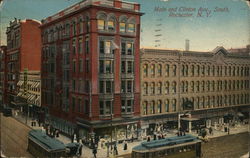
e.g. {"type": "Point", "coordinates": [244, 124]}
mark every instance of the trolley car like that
{"type": "Point", "coordinates": [187, 146]}
{"type": "Point", "coordinates": [41, 145]}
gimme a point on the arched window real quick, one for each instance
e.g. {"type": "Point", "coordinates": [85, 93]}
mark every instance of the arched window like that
{"type": "Point", "coordinates": [152, 88]}
{"type": "Point", "coordinates": [218, 71]}
{"type": "Point", "coordinates": [166, 87]}
{"type": "Point", "coordinates": [208, 70]}
{"type": "Point", "coordinates": [229, 84]}
{"type": "Point", "coordinates": [203, 102]}
{"type": "Point", "coordinates": [208, 102]}
{"type": "Point", "coordinates": [192, 86]}
{"type": "Point", "coordinates": [166, 105]}
{"type": "Point", "coordinates": [159, 106]}
{"type": "Point", "coordinates": [183, 70]}
{"type": "Point", "coordinates": [159, 88]}
{"type": "Point", "coordinates": [225, 100]}
{"type": "Point", "coordinates": [229, 71]}
{"type": "Point", "coordinates": [145, 70]}
{"type": "Point", "coordinates": [101, 21]}
{"type": "Point", "coordinates": [203, 86]}
{"type": "Point", "coordinates": [145, 108]}
{"type": "Point", "coordinates": [159, 68]}
{"type": "Point", "coordinates": [238, 71]}
{"type": "Point", "coordinates": [152, 69]}
{"type": "Point", "coordinates": [80, 21]}
{"type": "Point", "coordinates": [74, 27]}
{"type": "Point", "coordinates": [229, 100]}
{"type": "Point", "coordinates": [111, 22]}
{"type": "Point", "coordinates": [198, 103]}
{"type": "Point", "coordinates": [182, 86]}
{"type": "Point", "coordinates": [234, 71]}
{"type": "Point", "coordinates": [174, 87]}
{"type": "Point", "coordinates": [167, 70]}
{"type": "Point", "coordinates": [225, 70]}
{"type": "Point", "coordinates": [198, 70]}
{"type": "Point", "coordinates": [122, 23]}
{"type": "Point", "coordinates": [197, 86]}
{"type": "Point", "coordinates": [213, 86]}
{"type": "Point", "coordinates": [174, 105]}
{"type": "Point", "coordinates": [213, 70]}
{"type": "Point", "coordinates": [225, 84]}
{"type": "Point", "coordinates": [208, 86]}
{"type": "Point", "coordinates": [203, 70]}
{"type": "Point", "coordinates": [131, 25]}
{"type": "Point", "coordinates": [87, 24]}
{"type": "Point", "coordinates": [174, 70]}
{"type": "Point", "coordinates": [238, 85]}
{"type": "Point", "coordinates": [242, 71]}
{"type": "Point", "coordinates": [145, 88]}
{"type": "Point", "coordinates": [186, 70]}
{"type": "Point", "coordinates": [152, 107]}
{"type": "Point", "coordinates": [186, 86]}
{"type": "Point", "coordinates": [192, 70]}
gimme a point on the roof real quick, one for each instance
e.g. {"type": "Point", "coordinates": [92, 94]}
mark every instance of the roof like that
{"type": "Point", "coordinates": [177, 140]}
{"type": "Point", "coordinates": [45, 141]}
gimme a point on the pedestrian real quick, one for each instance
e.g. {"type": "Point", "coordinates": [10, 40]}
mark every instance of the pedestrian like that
{"type": "Point", "coordinates": [228, 130]}
{"type": "Point", "coordinates": [115, 150]}
{"type": "Point", "coordinates": [94, 152]}
{"type": "Point", "coordinates": [80, 150]}
{"type": "Point", "coordinates": [148, 139]}
{"type": "Point", "coordinates": [125, 146]}
{"type": "Point", "coordinates": [132, 139]}
{"type": "Point", "coordinates": [154, 136]}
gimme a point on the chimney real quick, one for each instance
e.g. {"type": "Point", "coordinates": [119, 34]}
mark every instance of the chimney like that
{"type": "Point", "coordinates": [187, 45]}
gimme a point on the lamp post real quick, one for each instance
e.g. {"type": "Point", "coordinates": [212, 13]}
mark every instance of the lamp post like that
{"type": "Point", "coordinates": [25, 92]}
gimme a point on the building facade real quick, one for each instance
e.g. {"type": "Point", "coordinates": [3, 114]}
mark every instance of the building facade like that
{"type": "Point", "coordinates": [216, 83]}
{"type": "Point", "coordinates": [90, 80]}
{"type": "Point", "coordinates": [23, 52]}
{"type": "Point", "coordinates": [2, 74]}
{"type": "Point", "coordinates": [29, 93]}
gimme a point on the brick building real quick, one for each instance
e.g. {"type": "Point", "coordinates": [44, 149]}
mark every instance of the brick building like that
{"type": "Point", "coordinates": [2, 74]}
{"type": "Point", "coordinates": [23, 52]}
{"type": "Point", "coordinates": [217, 83]}
{"type": "Point", "coordinates": [90, 80]}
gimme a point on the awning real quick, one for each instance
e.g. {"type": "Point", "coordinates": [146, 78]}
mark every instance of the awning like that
{"type": "Point", "coordinates": [37, 85]}
{"type": "Point", "coordinates": [240, 114]}
{"type": "Point", "coordinates": [19, 94]}
{"type": "Point", "coordinates": [190, 119]}
{"type": "Point", "coordinates": [19, 83]}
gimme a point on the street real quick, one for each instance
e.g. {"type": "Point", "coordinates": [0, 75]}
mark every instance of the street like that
{"type": "Point", "coordinates": [14, 137]}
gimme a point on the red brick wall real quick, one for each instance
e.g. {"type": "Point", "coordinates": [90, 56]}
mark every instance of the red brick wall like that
{"type": "Point", "coordinates": [30, 45]}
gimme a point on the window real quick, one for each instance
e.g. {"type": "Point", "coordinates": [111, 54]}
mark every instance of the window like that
{"type": "Point", "coordinates": [123, 87]}
{"type": "Point", "coordinates": [167, 87]}
{"type": "Point", "coordinates": [105, 47]}
{"type": "Point", "coordinates": [74, 66]}
{"type": "Point", "coordinates": [192, 86]}
{"type": "Point", "coordinates": [131, 28]}
{"type": "Point", "coordinates": [80, 45]}
{"type": "Point", "coordinates": [123, 50]}
{"type": "Point", "coordinates": [130, 67]}
{"type": "Point", "coordinates": [197, 86]}
{"type": "Point", "coordinates": [167, 70]}
{"type": "Point", "coordinates": [152, 107]}
{"type": "Point", "coordinates": [129, 86]}
{"type": "Point", "coordinates": [167, 105]}
{"type": "Point", "coordinates": [87, 45]}
{"type": "Point", "coordinates": [145, 70]}
{"type": "Point", "coordinates": [152, 68]}
{"type": "Point", "coordinates": [87, 66]}
{"type": "Point", "coordinates": [198, 70]}
{"type": "Point", "coordinates": [87, 86]}
{"type": "Point", "coordinates": [145, 108]}
{"type": "Point", "coordinates": [101, 66]}
{"type": "Point", "coordinates": [159, 106]}
{"type": "Point", "coordinates": [108, 66]}
{"type": "Point", "coordinates": [174, 105]}
{"type": "Point", "coordinates": [101, 85]}
{"type": "Point", "coordinates": [159, 88]}
{"type": "Point", "coordinates": [159, 70]}
{"type": "Point", "coordinates": [130, 49]}
{"type": "Point", "coordinates": [174, 87]}
{"type": "Point", "coordinates": [145, 88]}
{"type": "Point", "coordinates": [80, 65]}
{"type": "Point", "coordinates": [174, 70]}
{"type": "Point", "coordinates": [106, 107]}
{"type": "Point", "coordinates": [101, 107]}
{"type": "Point", "coordinates": [73, 104]}
{"type": "Point", "coordinates": [123, 67]}
{"type": "Point", "coordinates": [152, 88]}
{"type": "Point", "coordinates": [73, 46]}
{"type": "Point", "coordinates": [81, 26]}
{"type": "Point", "coordinates": [101, 24]}
{"type": "Point", "coordinates": [122, 27]}
{"type": "Point", "coordinates": [192, 70]}
{"type": "Point", "coordinates": [111, 25]}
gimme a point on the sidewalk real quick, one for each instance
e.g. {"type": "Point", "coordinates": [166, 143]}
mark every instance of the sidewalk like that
{"type": "Point", "coordinates": [103, 152]}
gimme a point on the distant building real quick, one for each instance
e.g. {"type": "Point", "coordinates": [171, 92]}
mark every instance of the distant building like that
{"type": "Point", "coordinates": [216, 83]}
{"type": "Point", "coordinates": [2, 74]}
{"type": "Point", "coordinates": [90, 71]}
{"type": "Point", "coordinates": [23, 52]}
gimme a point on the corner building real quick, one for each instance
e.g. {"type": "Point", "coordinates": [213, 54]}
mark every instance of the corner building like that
{"type": "Point", "coordinates": [90, 69]}
{"type": "Point", "coordinates": [217, 83]}
{"type": "Point", "coordinates": [2, 74]}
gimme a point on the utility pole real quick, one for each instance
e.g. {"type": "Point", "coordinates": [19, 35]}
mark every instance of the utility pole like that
{"type": "Point", "coordinates": [25, 91]}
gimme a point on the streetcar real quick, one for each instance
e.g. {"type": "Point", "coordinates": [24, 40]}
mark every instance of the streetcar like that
{"type": "Point", "coordinates": [42, 145]}
{"type": "Point", "coordinates": [186, 146]}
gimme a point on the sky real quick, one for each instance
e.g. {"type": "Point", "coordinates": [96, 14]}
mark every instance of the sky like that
{"type": "Point", "coordinates": [165, 24]}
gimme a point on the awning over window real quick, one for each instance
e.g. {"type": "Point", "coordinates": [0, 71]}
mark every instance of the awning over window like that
{"type": "Point", "coordinates": [20, 83]}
